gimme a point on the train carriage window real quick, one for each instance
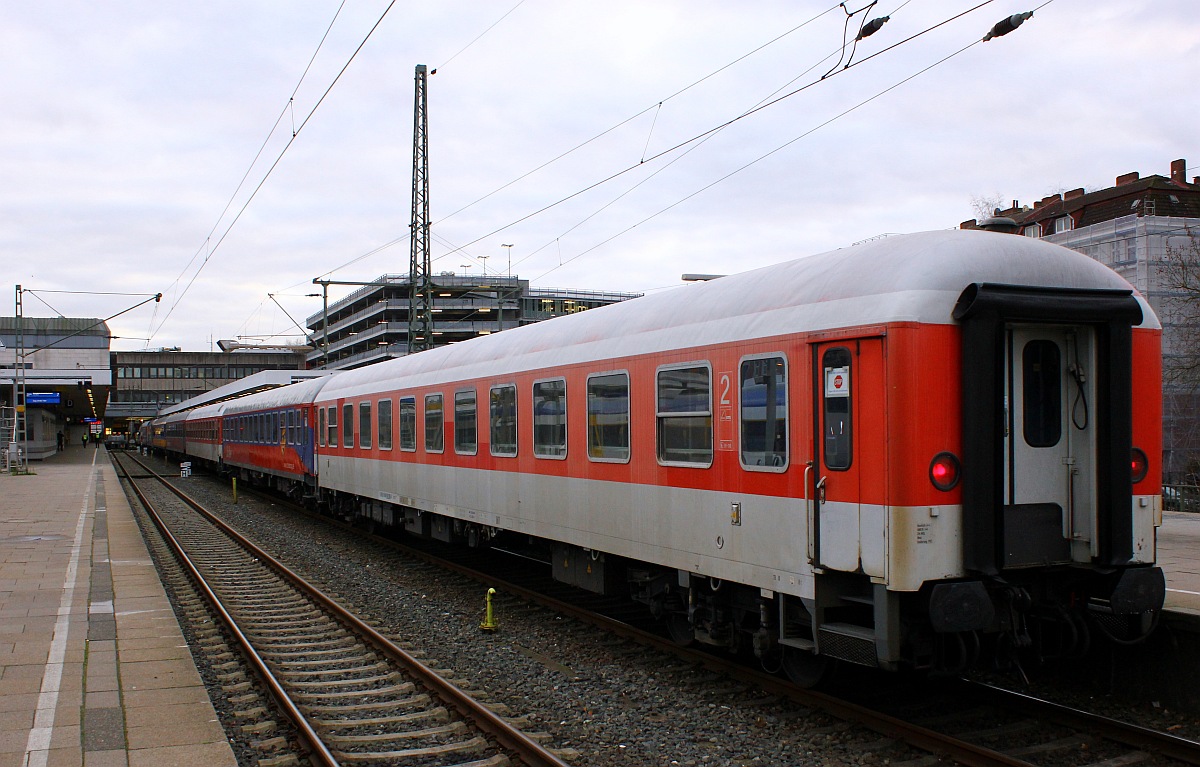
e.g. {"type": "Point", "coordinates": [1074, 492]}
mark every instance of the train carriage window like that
{"type": "Point", "coordinates": [466, 437]}
{"type": "Point", "coordinates": [608, 417]}
{"type": "Point", "coordinates": [291, 427]}
{"type": "Point", "coordinates": [385, 424]}
{"type": "Point", "coordinates": [502, 419]}
{"type": "Point", "coordinates": [408, 423]}
{"type": "Point", "coordinates": [433, 423]}
{"type": "Point", "coordinates": [550, 418]}
{"type": "Point", "coordinates": [838, 434]}
{"type": "Point", "coordinates": [684, 415]}
{"type": "Point", "coordinates": [333, 426]}
{"type": "Point", "coordinates": [364, 424]}
{"type": "Point", "coordinates": [1041, 365]}
{"type": "Point", "coordinates": [321, 426]}
{"type": "Point", "coordinates": [347, 425]}
{"type": "Point", "coordinates": [762, 397]}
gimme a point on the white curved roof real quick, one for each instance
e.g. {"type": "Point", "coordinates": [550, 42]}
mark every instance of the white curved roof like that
{"type": "Point", "coordinates": [291, 395]}
{"type": "Point", "coordinates": [915, 277]}
{"type": "Point", "coordinates": [208, 411]}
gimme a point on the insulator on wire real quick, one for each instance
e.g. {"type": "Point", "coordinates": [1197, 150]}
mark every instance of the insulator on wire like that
{"type": "Point", "coordinates": [1004, 26]}
{"type": "Point", "coordinates": [871, 27]}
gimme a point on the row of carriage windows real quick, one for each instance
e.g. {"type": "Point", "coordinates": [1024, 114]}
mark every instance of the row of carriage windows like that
{"type": "Point", "coordinates": [280, 427]}
{"type": "Point", "coordinates": [683, 407]}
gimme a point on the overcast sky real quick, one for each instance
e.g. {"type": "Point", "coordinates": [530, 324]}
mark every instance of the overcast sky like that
{"type": "Point", "coordinates": [127, 128]}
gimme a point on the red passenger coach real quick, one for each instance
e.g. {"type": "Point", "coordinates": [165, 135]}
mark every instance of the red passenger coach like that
{"type": "Point", "coordinates": [268, 437]}
{"type": "Point", "coordinates": [900, 454]}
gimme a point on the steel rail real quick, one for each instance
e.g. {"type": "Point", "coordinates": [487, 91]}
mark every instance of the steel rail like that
{"type": "Point", "coordinates": [529, 750]}
{"type": "Point", "coordinates": [961, 751]}
{"type": "Point", "coordinates": [1166, 744]}
{"type": "Point", "coordinates": [923, 738]}
{"type": "Point", "coordinates": [312, 739]}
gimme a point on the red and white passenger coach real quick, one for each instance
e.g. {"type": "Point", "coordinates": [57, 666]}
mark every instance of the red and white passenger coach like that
{"type": "Point", "coordinates": [899, 454]}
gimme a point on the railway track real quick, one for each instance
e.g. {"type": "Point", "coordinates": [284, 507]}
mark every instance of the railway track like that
{"type": "Point", "coordinates": [966, 725]}
{"type": "Point", "coordinates": [353, 695]}
{"type": "Point", "coordinates": [972, 723]}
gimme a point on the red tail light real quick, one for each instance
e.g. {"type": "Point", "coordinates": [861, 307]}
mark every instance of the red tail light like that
{"type": "Point", "coordinates": [1139, 466]}
{"type": "Point", "coordinates": [944, 471]}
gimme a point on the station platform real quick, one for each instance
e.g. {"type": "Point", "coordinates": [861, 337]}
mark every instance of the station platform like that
{"type": "Point", "coordinates": [94, 669]}
{"type": "Point", "coordinates": [1179, 556]}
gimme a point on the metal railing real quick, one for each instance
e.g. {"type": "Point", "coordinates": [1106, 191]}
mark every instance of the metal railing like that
{"type": "Point", "coordinates": [1181, 497]}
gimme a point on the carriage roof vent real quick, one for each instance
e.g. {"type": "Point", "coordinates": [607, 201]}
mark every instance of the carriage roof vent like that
{"type": "Point", "coordinates": [998, 224]}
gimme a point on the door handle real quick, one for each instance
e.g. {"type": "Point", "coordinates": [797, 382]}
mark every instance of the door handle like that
{"type": "Point", "coordinates": [810, 514]}
{"type": "Point", "coordinates": [821, 490]}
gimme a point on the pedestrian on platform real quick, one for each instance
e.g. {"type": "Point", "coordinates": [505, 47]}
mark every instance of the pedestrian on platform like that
{"type": "Point", "coordinates": [62, 442]}
{"type": "Point", "coordinates": [85, 439]}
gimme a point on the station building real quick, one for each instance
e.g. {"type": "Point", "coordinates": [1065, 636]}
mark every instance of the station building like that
{"type": "Point", "coordinates": [55, 376]}
{"type": "Point", "coordinates": [1135, 227]}
{"type": "Point", "coordinates": [147, 382]}
{"type": "Point", "coordinates": [371, 323]}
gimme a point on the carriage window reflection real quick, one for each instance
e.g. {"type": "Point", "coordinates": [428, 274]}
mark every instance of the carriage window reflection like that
{"type": "Point", "coordinates": [502, 419]}
{"type": "Point", "coordinates": [608, 417]}
{"type": "Point", "coordinates": [466, 439]}
{"type": "Point", "coordinates": [408, 423]}
{"type": "Point", "coordinates": [763, 401]}
{"type": "Point", "coordinates": [433, 423]}
{"type": "Point", "coordinates": [685, 416]}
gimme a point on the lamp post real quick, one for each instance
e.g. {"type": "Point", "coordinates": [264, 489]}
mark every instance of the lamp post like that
{"type": "Point", "coordinates": [509, 258]}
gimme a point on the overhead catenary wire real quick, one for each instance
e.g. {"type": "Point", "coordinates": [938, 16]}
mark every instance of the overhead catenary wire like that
{"type": "Point", "coordinates": [760, 158]}
{"type": "Point", "coordinates": [721, 126]}
{"type": "Point", "coordinates": [274, 165]}
{"type": "Point", "coordinates": [697, 139]}
{"type": "Point", "coordinates": [288, 108]}
{"type": "Point", "coordinates": [657, 105]}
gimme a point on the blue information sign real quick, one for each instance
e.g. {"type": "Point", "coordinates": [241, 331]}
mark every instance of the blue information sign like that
{"type": "Point", "coordinates": [43, 398]}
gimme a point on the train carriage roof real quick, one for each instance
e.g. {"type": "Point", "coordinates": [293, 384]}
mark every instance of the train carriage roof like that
{"type": "Point", "coordinates": [215, 410]}
{"type": "Point", "coordinates": [174, 417]}
{"type": "Point", "coordinates": [903, 278]}
{"type": "Point", "coordinates": [292, 395]}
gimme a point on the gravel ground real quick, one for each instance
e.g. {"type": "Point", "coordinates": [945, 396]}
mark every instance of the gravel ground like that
{"type": "Point", "coordinates": [599, 700]}
{"type": "Point", "coordinates": [603, 701]}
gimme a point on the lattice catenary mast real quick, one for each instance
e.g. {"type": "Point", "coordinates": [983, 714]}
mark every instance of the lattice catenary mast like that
{"type": "Point", "coordinates": [420, 307]}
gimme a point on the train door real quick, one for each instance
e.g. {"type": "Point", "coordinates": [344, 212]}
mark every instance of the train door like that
{"type": "Point", "coordinates": [1049, 445]}
{"type": "Point", "coordinates": [849, 461]}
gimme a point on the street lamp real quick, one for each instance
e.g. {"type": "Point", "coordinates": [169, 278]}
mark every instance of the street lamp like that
{"type": "Point", "coordinates": [509, 258]}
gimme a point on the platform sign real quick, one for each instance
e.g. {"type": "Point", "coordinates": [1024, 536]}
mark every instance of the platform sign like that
{"type": "Point", "coordinates": [43, 398]}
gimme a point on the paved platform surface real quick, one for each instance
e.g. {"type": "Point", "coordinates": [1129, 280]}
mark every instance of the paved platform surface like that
{"type": "Point", "coordinates": [1179, 556]}
{"type": "Point", "coordinates": [94, 670]}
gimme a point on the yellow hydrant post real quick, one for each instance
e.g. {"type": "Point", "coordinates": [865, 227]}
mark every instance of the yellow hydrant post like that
{"type": "Point", "coordinates": [489, 622]}
{"type": "Point", "coordinates": [235, 489]}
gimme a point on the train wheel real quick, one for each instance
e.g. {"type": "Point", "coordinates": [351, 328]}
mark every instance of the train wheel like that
{"type": "Point", "coordinates": [681, 629]}
{"type": "Point", "coordinates": [805, 669]}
